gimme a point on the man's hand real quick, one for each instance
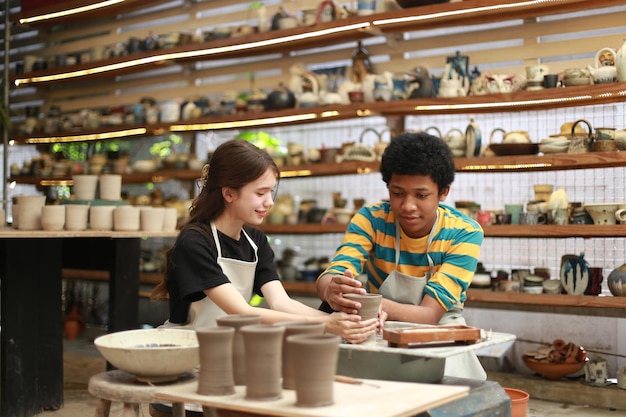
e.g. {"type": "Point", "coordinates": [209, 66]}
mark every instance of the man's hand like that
{"type": "Point", "coordinates": [343, 284]}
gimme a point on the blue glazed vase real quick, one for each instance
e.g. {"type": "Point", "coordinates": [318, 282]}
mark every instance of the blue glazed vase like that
{"type": "Point", "coordinates": [574, 274]}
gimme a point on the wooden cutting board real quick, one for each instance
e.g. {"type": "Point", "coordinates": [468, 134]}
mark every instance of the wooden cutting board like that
{"type": "Point", "coordinates": [429, 335]}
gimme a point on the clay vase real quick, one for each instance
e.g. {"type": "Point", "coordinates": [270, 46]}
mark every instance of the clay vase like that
{"type": "Point", "coordinates": [314, 365]}
{"type": "Point", "coordinates": [263, 345]}
{"type": "Point", "coordinates": [370, 304]}
{"type": "Point", "coordinates": [239, 356]}
{"type": "Point", "coordinates": [292, 328]}
{"type": "Point", "coordinates": [574, 274]}
{"type": "Point", "coordinates": [216, 360]}
{"type": "Point", "coordinates": [617, 281]}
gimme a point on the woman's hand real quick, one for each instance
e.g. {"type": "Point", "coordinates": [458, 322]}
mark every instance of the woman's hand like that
{"type": "Point", "coordinates": [350, 327]}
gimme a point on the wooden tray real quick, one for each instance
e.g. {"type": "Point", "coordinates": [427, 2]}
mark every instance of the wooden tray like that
{"type": "Point", "coordinates": [429, 335]}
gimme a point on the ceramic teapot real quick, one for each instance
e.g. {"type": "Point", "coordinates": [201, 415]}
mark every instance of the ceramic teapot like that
{"type": "Point", "coordinates": [605, 70]}
{"type": "Point", "coordinates": [580, 143]}
{"type": "Point", "coordinates": [280, 98]}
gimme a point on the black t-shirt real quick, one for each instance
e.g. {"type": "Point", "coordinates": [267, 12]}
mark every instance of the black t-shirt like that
{"type": "Point", "coordinates": [193, 267]}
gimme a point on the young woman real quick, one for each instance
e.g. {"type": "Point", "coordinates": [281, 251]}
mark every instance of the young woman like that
{"type": "Point", "coordinates": [219, 259]}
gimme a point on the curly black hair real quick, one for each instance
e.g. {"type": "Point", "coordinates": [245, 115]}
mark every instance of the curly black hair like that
{"type": "Point", "coordinates": [418, 153]}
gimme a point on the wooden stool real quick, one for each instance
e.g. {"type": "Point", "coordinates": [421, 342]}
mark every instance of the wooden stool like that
{"type": "Point", "coordinates": [123, 387]}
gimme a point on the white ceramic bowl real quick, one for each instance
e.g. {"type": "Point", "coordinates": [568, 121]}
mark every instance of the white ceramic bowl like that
{"type": "Point", "coordinates": [152, 355]}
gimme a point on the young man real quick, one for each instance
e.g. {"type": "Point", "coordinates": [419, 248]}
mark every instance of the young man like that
{"type": "Point", "coordinates": [420, 255]}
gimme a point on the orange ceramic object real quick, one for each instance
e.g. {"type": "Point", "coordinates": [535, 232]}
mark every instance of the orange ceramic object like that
{"type": "Point", "coordinates": [552, 370]}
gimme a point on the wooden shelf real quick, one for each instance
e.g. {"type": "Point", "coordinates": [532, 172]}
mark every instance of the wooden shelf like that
{"type": "Point", "coordinates": [102, 13]}
{"type": "Point", "coordinates": [508, 231]}
{"type": "Point", "coordinates": [308, 170]}
{"type": "Point", "coordinates": [555, 231]}
{"type": "Point", "coordinates": [551, 162]}
{"type": "Point", "coordinates": [562, 300]}
{"type": "Point", "coordinates": [323, 34]}
{"type": "Point", "coordinates": [517, 101]}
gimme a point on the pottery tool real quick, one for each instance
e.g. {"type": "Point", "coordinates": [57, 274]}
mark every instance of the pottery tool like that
{"type": "Point", "coordinates": [353, 381]}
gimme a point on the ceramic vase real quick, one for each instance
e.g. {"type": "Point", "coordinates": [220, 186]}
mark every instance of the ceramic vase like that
{"type": "Point", "coordinates": [263, 345]}
{"type": "Point", "coordinates": [293, 328]}
{"type": "Point", "coordinates": [370, 304]}
{"type": "Point", "coordinates": [216, 360]}
{"type": "Point", "coordinates": [617, 281]}
{"type": "Point", "coordinates": [574, 274]}
{"type": "Point", "coordinates": [237, 321]}
{"type": "Point", "coordinates": [314, 366]}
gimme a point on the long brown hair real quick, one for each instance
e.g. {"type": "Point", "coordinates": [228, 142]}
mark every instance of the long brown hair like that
{"type": "Point", "coordinates": [234, 164]}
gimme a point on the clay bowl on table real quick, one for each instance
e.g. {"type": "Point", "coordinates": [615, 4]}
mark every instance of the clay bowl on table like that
{"type": "Point", "coordinates": [152, 355]}
{"type": "Point", "coordinates": [552, 370]}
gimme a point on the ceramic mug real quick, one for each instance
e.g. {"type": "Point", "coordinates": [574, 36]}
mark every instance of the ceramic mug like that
{"type": "Point", "coordinates": [551, 81]}
{"type": "Point", "coordinates": [536, 72]}
{"type": "Point", "coordinates": [503, 218]}
{"type": "Point", "coordinates": [532, 218]}
{"type": "Point", "coordinates": [515, 210]}
{"type": "Point", "coordinates": [560, 216]}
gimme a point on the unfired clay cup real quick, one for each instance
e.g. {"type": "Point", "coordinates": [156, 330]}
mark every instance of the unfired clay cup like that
{"type": "Point", "coordinates": [29, 211]}
{"type": "Point", "coordinates": [76, 216]}
{"type": "Point", "coordinates": [151, 219]}
{"type": "Point", "coordinates": [170, 219]}
{"type": "Point", "coordinates": [101, 217]}
{"type": "Point", "coordinates": [53, 217]}
{"type": "Point", "coordinates": [126, 218]}
{"type": "Point", "coordinates": [85, 186]}
{"type": "Point", "coordinates": [110, 187]}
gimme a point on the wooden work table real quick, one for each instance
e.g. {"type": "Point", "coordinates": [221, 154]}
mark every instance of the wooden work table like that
{"type": "Point", "coordinates": [31, 341]}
